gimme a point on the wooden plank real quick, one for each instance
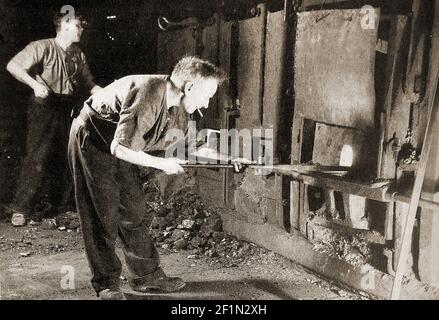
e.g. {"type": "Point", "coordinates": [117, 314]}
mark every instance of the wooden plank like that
{"type": "Point", "coordinates": [224, 56]}
{"type": "Point", "coordinates": [211, 180]}
{"type": "Point", "coordinates": [273, 69]}
{"type": "Point", "coordinates": [395, 108]}
{"type": "Point", "coordinates": [249, 70]}
{"type": "Point", "coordinates": [429, 219]}
{"type": "Point", "coordinates": [297, 135]}
{"type": "Point", "coordinates": [295, 195]}
{"type": "Point", "coordinates": [294, 204]}
{"type": "Point", "coordinates": [389, 222]}
{"type": "Point", "coordinates": [378, 192]}
{"type": "Point", "coordinates": [419, 63]}
{"type": "Point", "coordinates": [416, 193]}
{"type": "Point", "coordinates": [303, 209]}
{"type": "Point", "coordinates": [278, 183]}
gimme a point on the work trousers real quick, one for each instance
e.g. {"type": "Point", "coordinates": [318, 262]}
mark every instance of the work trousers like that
{"type": "Point", "coordinates": [110, 202]}
{"type": "Point", "coordinates": [45, 172]}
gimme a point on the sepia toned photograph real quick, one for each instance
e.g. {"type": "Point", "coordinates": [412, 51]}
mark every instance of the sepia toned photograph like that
{"type": "Point", "coordinates": [216, 157]}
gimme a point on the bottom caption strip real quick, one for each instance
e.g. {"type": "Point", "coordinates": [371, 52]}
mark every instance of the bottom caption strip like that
{"type": "Point", "coordinates": [219, 310]}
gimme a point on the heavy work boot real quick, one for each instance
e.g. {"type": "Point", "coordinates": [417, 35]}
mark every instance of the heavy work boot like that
{"type": "Point", "coordinates": [157, 282]}
{"type": "Point", "coordinates": [111, 294]}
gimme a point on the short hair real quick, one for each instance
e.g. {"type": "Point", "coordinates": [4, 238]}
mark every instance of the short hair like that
{"type": "Point", "coordinates": [58, 17]}
{"type": "Point", "coordinates": [191, 68]}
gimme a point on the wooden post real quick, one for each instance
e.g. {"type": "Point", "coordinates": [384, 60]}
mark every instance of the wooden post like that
{"type": "Point", "coordinates": [416, 193]}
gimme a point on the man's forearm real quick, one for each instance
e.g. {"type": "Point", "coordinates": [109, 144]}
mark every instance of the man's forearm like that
{"type": "Point", "coordinates": [21, 75]}
{"type": "Point", "coordinates": [139, 158]}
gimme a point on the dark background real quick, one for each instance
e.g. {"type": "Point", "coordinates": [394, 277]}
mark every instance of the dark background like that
{"type": "Point", "coordinates": [113, 47]}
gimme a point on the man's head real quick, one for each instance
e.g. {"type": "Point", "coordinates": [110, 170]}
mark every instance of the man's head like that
{"type": "Point", "coordinates": [70, 28]}
{"type": "Point", "coordinates": [198, 79]}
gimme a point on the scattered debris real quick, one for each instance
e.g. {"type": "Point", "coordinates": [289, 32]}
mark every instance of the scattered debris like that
{"type": "Point", "coordinates": [55, 248]}
{"type": "Point", "coordinates": [41, 237]}
{"type": "Point", "coordinates": [25, 254]}
{"type": "Point", "coordinates": [68, 220]}
{"type": "Point", "coordinates": [183, 221]}
{"type": "Point", "coordinates": [180, 244]}
{"type": "Point", "coordinates": [33, 223]}
{"type": "Point", "coordinates": [159, 222]}
{"type": "Point", "coordinates": [49, 223]}
{"type": "Point", "coordinates": [186, 224]}
{"type": "Point", "coordinates": [18, 220]}
{"type": "Point", "coordinates": [351, 248]}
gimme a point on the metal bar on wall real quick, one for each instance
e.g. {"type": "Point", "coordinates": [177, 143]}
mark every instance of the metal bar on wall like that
{"type": "Point", "coordinates": [263, 15]}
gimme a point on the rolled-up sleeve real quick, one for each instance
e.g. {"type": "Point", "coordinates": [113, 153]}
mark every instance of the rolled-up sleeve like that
{"type": "Point", "coordinates": [131, 127]}
{"type": "Point", "coordinates": [30, 56]}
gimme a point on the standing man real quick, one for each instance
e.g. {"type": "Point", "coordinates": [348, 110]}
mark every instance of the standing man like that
{"type": "Point", "coordinates": [56, 70]}
{"type": "Point", "coordinates": [115, 132]}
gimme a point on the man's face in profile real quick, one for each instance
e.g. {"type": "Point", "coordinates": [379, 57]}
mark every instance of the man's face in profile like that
{"type": "Point", "coordinates": [72, 28]}
{"type": "Point", "coordinates": [198, 94]}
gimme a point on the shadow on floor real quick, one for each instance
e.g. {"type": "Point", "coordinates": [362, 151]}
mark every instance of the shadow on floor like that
{"type": "Point", "coordinates": [220, 289]}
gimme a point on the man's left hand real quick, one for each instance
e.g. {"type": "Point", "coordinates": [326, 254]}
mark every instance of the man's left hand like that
{"type": "Point", "coordinates": [240, 164]}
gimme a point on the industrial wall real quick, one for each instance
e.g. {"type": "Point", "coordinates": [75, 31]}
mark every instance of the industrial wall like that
{"type": "Point", "coordinates": [340, 84]}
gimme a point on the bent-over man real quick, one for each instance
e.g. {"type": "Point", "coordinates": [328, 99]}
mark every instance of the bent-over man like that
{"type": "Point", "coordinates": [115, 133]}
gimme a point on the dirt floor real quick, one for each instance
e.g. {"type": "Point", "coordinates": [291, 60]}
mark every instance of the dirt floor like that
{"type": "Point", "coordinates": [44, 261]}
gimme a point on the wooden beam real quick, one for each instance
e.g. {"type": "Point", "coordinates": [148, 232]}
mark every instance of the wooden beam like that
{"type": "Point", "coordinates": [416, 193]}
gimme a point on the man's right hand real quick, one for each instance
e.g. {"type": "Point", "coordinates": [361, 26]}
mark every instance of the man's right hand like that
{"type": "Point", "coordinates": [41, 91]}
{"type": "Point", "coordinates": [172, 165]}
